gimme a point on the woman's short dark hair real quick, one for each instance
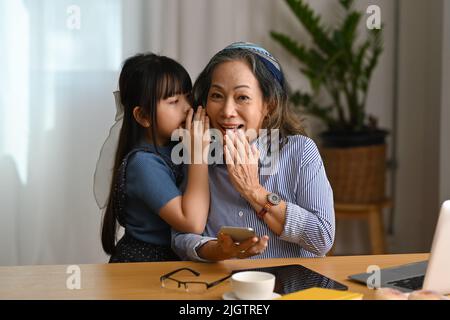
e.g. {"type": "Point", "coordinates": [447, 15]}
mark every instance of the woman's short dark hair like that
{"type": "Point", "coordinates": [275, 93]}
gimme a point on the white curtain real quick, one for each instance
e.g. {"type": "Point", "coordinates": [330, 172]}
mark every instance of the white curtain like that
{"type": "Point", "coordinates": [59, 62]}
{"type": "Point", "coordinates": [193, 30]}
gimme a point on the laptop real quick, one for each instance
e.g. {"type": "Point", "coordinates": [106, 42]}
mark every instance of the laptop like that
{"type": "Point", "coordinates": [433, 274]}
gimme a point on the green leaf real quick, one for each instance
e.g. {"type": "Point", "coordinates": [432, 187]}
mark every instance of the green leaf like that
{"type": "Point", "coordinates": [376, 47]}
{"type": "Point", "coordinates": [349, 27]}
{"type": "Point", "coordinates": [347, 4]}
{"type": "Point", "coordinates": [291, 46]}
{"type": "Point", "coordinates": [361, 54]}
{"type": "Point", "coordinates": [307, 104]}
{"type": "Point", "coordinates": [312, 24]}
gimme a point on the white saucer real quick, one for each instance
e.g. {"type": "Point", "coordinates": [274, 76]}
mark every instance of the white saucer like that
{"type": "Point", "coordinates": [230, 296]}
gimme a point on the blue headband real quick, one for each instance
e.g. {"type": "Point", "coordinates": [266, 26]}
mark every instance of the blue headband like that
{"type": "Point", "coordinates": [264, 56]}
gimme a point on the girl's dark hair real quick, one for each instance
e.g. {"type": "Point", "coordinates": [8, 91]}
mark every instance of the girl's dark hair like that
{"type": "Point", "coordinates": [145, 79]}
{"type": "Point", "coordinates": [275, 94]}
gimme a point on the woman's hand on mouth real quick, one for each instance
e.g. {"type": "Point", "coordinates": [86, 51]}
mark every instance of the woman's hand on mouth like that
{"type": "Point", "coordinates": [242, 163]}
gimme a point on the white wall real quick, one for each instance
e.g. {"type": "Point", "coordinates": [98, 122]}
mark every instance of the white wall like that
{"type": "Point", "coordinates": [445, 107]}
{"type": "Point", "coordinates": [417, 203]}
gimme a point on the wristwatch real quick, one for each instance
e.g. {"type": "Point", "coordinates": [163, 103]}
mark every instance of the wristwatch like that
{"type": "Point", "coordinates": [272, 200]}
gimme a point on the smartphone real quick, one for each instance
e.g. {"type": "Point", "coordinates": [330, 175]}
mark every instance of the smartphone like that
{"type": "Point", "coordinates": [238, 234]}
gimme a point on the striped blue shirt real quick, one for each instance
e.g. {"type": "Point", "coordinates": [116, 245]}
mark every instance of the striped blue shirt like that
{"type": "Point", "coordinates": [300, 180]}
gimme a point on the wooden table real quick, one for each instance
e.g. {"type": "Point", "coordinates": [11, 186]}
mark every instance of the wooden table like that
{"type": "Point", "coordinates": [141, 280]}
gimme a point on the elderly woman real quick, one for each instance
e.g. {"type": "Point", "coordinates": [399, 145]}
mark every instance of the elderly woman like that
{"type": "Point", "coordinates": [290, 208]}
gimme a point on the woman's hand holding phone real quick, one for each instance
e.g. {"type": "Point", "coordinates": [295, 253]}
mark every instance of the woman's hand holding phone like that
{"type": "Point", "coordinates": [242, 250]}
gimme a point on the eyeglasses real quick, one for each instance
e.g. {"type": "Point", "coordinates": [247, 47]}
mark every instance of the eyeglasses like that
{"type": "Point", "coordinates": [189, 286]}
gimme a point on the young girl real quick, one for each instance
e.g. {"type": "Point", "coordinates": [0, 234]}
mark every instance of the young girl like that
{"type": "Point", "coordinates": [145, 194]}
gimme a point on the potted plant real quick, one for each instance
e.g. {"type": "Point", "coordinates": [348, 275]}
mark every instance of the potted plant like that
{"type": "Point", "coordinates": [353, 147]}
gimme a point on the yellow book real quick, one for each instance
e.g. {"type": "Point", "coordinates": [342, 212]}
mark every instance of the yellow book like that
{"type": "Point", "coordinates": [322, 294]}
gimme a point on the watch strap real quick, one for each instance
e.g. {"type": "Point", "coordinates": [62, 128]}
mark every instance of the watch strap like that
{"type": "Point", "coordinates": [264, 210]}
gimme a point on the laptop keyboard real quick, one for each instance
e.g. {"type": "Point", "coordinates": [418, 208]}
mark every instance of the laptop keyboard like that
{"type": "Point", "coordinates": [413, 283]}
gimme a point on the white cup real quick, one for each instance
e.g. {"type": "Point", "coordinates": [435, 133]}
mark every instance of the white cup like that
{"type": "Point", "coordinates": [253, 285]}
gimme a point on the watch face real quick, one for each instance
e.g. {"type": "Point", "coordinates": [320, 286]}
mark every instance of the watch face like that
{"type": "Point", "coordinates": [274, 199]}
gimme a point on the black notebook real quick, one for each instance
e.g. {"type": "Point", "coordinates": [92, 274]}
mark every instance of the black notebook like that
{"type": "Point", "coordinates": [295, 277]}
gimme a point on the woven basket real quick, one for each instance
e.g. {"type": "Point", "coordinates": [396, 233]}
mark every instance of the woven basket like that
{"type": "Point", "coordinates": [358, 174]}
